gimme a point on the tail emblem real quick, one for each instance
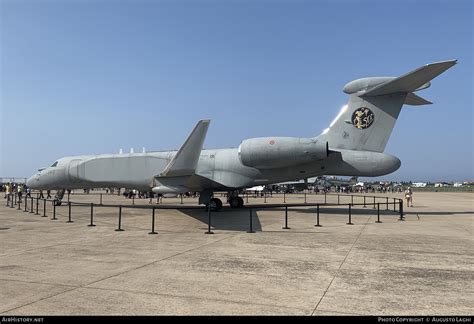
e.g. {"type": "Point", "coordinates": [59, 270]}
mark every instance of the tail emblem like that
{"type": "Point", "coordinates": [362, 118]}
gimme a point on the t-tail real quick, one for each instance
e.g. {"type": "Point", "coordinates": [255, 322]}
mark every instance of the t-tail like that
{"type": "Point", "coordinates": [366, 122]}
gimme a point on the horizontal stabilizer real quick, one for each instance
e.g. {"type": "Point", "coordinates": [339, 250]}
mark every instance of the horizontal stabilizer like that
{"type": "Point", "coordinates": [187, 158]}
{"type": "Point", "coordinates": [411, 81]}
{"type": "Point", "coordinates": [414, 100]}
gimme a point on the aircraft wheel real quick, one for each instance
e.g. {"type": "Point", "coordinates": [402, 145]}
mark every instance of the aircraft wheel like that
{"type": "Point", "coordinates": [241, 202]}
{"type": "Point", "coordinates": [234, 202]}
{"type": "Point", "coordinates": [215, 204]}
{"type": "Point", "coordinates": [57, 202]}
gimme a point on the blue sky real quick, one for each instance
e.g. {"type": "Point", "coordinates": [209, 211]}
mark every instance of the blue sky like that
{"type": "Point", "coordinates": [89, 77]}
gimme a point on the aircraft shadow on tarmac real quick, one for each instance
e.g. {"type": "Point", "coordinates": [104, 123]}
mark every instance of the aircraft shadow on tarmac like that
{"type": "Point", "coordinates": [227, 219]}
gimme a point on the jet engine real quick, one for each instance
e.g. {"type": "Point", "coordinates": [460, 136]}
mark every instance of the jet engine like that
{"type": "Point", "coordinates": [278, 152]}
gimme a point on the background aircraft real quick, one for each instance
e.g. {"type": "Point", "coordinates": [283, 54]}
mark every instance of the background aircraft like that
{"type": "Point", "coordinates": [352, 145]}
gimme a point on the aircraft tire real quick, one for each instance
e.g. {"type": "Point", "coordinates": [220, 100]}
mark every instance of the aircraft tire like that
{"type": "Point", "coordinates": [234, 202]}
{"type": "Point", "coordinates": [215, 204]}
{"type": "Point", "coordinates": [241, 202]}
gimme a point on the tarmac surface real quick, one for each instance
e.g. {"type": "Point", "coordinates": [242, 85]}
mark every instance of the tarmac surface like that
{"type": "Point", "coordinates": [420, 266]}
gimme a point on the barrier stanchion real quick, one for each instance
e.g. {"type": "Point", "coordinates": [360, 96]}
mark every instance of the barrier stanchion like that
{"type": "Point", "coordinates": [364, 203]}
{"type": "Point", "coordinates": [374, 202]}
{"type": "Point", "coordinates": [26, 204]}
{"type": "Point", "coordinates": [181, 199]}
{"type": "Point", "coordinates": [286, 218]}
{"type": "Point", "coordinates": [19, 203]}
{"type": "Point", "coordinates": [305, 197]}
{"type": "Point", "coordinates": [338, 199]}
{"type": "Point", "coordinates": [284, 197]}
{"type": "Point", "coordinates": [325, 197]}
{"type": "Point", "coordinates": [350, 215]}
{"type": "Point", "coordinates": [15, 198]}
{"type": "Point", "coordinates": [69, 212]}
{"type": "Point", "coordinates": [265, 197]}
{"type": "Point", "coordinates": [54, 212]}
{"type": "Point", "coordinates": [37, 205]}
{"type": "Point", "coordinates": [401, 210]}
{"type": "Point", "coordinates": [153, 222]}
{"type": "Point", "coordinates": [44, 208]}
{"type": "Point", "coordinates": [133, 199]}
{"type": "Point", "coordinates": [378, 213]}
{"type": "Point", "coordinates": [92, 215]}
{"type": "Point", "coordinates": [394, 208]}
{"type": "Point", "coordinates": [101, 199]}
{"type": "Point", "coordinates": [387, 203]}
{"type": "Point", "coordinates": [317, 217]}
{"type": "Point", "coordinates": [247, 197]}
{"type": "Point", "coordinates": [32, 210]}
{"type": "Point", "coordinates": [119, 229]}
{"type": "Point", "coordinates": [209, 219]}
{"type": "Point", "coordinates": [250, 221]}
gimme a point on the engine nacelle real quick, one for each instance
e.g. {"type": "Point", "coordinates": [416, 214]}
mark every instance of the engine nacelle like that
{"type": "Point", "coordinates": [278, 152]}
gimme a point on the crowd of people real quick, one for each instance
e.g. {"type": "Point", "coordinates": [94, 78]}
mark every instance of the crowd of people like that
{"type": "Point", "coordinates": [15, 188]}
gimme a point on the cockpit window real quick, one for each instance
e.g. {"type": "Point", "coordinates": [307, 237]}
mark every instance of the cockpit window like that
{"type": "Point", "coordinates": [54, 164]}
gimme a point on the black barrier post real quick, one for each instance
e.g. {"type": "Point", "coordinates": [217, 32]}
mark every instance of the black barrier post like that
{"type": "Point", "coordinates": [338, 199]}
{"type": "Point", "coordinates": [247, 198]}
{"type": "Point", "coordinates": [153, 222]}
{"type": "Point", "coordinates": [92, 215]}
{"type": "Point", "coordinates": [286, 218]}
{"type": "Point", "coordinates": [11, 200]}
{"type": "Point", "coordinates": [378, 213]}
{"type": "Point", "coordinates": [119, 229]}
{"type": "Point", "coordinates": [133, 199]}
{"type": "Point", "coordinates": [69, 212]}
{"type": "Point", "coordinates": [325, 197]}
{"type": "Point", "coordinates": [32, 206]}
{"type": "Point", "coordinates": [37, 203]}
{"type": "Point", "coordinates": [68, 194]}
{"type": "Point", "coordinates": [8, 199]}
{"type": "Point", "coordinates": [19, 203]}
{"type": "Point", "coordinates": [374, 202]}
{"type": "Point", "coordinates": [250, 219]}
{"type": "Point", "coordinates": [54, 212]}
{"type": "Point", "coordinates": [350, 215]}
{"type": "Point", "coordinates": [209, 220]}
{"type": "Point", "coordinates": [394, 208]}
{"type": "Point", "coordinates": [181, 199]}
{"type": "Point", "coordinates": [265, 197]}
{"type": "Point", "coordinates": [317, 216]}
{"type": "Point", "coordinates": [305, 197]}
{"type": "Point", "coordinates": [387, 203]}
{"type": "Point", "coordinates": [44, 208]}
{"type": "Point", "coordinates": [100, 199]}
{"type": "Point", "coordinates": [26, 203]}
{"type": "Point", "coordinates": [15, 200]}
{"type": "Point", "coordinates": [401, 210]}
{"type": "Point", "coordinates": [364, 203]}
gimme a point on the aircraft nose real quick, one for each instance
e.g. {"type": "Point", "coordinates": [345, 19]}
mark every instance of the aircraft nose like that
{"type": "Point", "coordinates": [32, 181]}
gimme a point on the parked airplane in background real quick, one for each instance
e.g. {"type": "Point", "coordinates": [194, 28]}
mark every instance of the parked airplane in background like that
{"type": "Point", "coordinates": [352, 145]}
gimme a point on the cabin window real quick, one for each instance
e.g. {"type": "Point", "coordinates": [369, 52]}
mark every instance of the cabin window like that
{"type": "Point", "coordinates": [54, 164]}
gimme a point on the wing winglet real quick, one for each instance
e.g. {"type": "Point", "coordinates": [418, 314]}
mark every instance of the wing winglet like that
{"type": "Point", "coordinates": [186, 160]}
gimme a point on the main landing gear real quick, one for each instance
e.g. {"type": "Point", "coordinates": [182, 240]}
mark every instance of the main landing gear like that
{"type": "Point", "coordinates": [234, 200]}
{"type": "Point", "coordinates": [57, 201]}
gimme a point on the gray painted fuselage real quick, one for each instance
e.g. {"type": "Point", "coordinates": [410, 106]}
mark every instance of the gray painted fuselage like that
{"type": "Point", "coordinates": [219, 169]}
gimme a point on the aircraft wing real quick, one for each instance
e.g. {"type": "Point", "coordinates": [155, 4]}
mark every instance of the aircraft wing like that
{"type": "Point", "coordinates": [185, 161]}
{"type": "Point", "coordinates": [412, 81]}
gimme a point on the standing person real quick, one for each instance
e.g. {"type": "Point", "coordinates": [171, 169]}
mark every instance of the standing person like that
{"type": "Point", "coordinates": [409, 197]}
{"type": "Point", "coordinates": [41, 196]}
{"type": "Point", "coordinates": [48, 194]}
